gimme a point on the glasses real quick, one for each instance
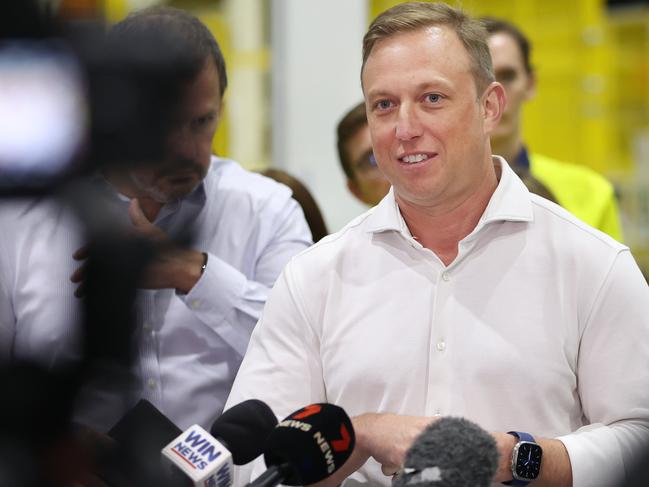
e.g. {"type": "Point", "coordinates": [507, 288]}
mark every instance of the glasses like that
{"type": "Point", "coordinates": [366, 163]}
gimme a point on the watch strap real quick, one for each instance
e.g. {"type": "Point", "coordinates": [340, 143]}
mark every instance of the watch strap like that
{"type": "Point", "coordinates": [522, 436]}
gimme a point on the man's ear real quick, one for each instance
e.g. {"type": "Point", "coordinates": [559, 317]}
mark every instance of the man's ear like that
{"type": "Point", "coordinates": [530, 89]}
{"type": "Point", "coordinates": [493, 105]}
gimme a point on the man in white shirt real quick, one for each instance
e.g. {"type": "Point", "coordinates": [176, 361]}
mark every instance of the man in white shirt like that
{"type": "Point", "coordinates": [198, 305]}
{"type": "Point", "coordinates": [461, 293]}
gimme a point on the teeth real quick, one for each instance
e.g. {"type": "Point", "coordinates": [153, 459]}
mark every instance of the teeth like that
{"type": "Point", "coordinates": [411, 159]}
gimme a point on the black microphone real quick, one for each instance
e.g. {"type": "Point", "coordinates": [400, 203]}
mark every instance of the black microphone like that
{"type": "Point", "coordinates": [308, 446]}
{"type": "Point", "coordinates": [243, 429]}
{"type": "Point", "coordinates": [450, 452]}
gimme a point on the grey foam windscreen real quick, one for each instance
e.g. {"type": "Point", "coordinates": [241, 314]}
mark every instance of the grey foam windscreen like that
{"type": "Point", "coordinates": [450, 452]}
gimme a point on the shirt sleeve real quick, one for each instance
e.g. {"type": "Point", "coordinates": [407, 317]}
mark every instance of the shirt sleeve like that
{"type": "Point", "coordinates": [229, 301]}
{"type": "Point", "coordinates": [613, 375]}
{"type": "Point", "coordinates": [282, 366]}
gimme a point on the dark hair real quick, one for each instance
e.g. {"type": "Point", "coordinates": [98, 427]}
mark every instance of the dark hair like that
{"type": "Point", "coordinates": [412, 16]}
{"type": "Point", "coordinates": [302, 195]}
{"type": "Point", "coordinates": [176, 32]}
{"type": "Point", "coordinates": [497, 26]}
{"type": "Point", "coordinates": [533, 184]}
{"type": "Point", "coordinates": [352, 122]}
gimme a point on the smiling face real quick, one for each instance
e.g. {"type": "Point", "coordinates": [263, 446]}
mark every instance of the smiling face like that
{"type": "Point", "coordinates": [189, 146]}
{"type": "Point", "coordinates": [429, 126]}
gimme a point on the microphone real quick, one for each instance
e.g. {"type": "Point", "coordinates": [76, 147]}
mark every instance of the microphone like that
{"type": "Point", "coordinates": [243, 429]}
{"type": "Point", "coordinates": [451, 452]}
{"type": "Point", "coordinates": [307, 446]}
{"type": "Point", "coordinates": [202, 459]}
{"type": "Point", "coordinates": [134, 455]}
{"type": "Point", "coordinates": [237, 437]}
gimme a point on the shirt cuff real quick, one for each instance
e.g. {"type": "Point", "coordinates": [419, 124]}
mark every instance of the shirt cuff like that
{"type": "Point", "coordinates": [214, 298]}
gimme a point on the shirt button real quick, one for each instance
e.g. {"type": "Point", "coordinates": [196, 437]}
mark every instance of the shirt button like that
{"type": "Point", "coordinates": [195, 303]}
{"type": "Point", "coordinates": [445, 276]}
{"type": "Point", "coordinates": [151, 383]}
{"type": "Point", "coordinates": [437, 412]}
{"type": "Point", "coordinates": [441, 346]}
{"type": "Point", "coordinates": [147, 326]}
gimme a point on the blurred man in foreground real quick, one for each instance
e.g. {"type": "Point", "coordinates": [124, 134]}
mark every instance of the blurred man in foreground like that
{"type": "Point", "coordinates": [461, 293]}
{"type": "Point", "coordinates": [199, 302]}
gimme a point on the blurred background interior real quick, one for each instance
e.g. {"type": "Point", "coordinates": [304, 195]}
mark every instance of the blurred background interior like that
{"type": "Point", "coordinates": [294, 70]}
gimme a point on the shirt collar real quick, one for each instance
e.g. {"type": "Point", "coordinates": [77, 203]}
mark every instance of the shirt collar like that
{"type": "Point", "coordinates": [509, 202]}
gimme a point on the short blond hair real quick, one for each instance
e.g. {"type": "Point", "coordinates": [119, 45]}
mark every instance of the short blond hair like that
{"type": "Point", "coordinates": [412, 16]}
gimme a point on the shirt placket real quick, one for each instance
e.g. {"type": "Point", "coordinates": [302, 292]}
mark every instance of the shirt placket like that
{"type": "Point", "coordinates": [439, 373]}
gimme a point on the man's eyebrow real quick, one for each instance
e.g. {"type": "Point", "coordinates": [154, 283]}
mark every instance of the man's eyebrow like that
{"type": "Point", "coordinates": [505, 70]}
{"type": "Point", "coordinates": [437, 83]}
{"type": "Point", "coordinates": [208, 113]}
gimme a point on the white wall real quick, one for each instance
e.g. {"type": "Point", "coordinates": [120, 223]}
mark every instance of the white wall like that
{"type": "Point", "coordinates": [316, 60]}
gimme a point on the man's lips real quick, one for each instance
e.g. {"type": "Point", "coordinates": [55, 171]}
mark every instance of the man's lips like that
{"type": "Point", "coordinates": [416, 157]}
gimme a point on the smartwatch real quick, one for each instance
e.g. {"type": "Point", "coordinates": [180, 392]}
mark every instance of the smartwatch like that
{"type": "Point", "coordinates": [526, 459]}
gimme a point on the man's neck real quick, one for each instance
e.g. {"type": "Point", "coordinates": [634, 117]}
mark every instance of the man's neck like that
{"type": "Point", "coordinates": [508, 148]}
{"type": "Point", "coordinates": [441, 231]}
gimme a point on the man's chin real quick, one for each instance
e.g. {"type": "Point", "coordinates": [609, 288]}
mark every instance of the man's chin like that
{"type": "Point", "coordinates": [178, 190]}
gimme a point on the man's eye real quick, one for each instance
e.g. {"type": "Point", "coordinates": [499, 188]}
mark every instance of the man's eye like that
{"type": "Point", "coordinates": [383, 104]}
{"type": "Point", "coordinates": [202, 121]}
{"type": "Point", "coordinates": [433, 98]}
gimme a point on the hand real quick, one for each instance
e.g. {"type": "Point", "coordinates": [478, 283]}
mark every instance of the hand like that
{"type": "Point", "coordinates": [142, 226]}
{"type": "Point", "coordinates": [387, 437]}
{"type": "Point", "coordinates": [171, 267]}
{"type": "Point", "coordinates": [505, 443]}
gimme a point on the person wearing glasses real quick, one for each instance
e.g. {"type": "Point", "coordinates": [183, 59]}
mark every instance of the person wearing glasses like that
{"type": "Point", "coordinates": [364, 179]}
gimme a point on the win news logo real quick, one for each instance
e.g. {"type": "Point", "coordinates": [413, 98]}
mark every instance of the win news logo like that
{"type": "Point", "coordinates": [197, 450]}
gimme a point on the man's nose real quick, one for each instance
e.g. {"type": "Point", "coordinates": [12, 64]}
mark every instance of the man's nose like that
{"type": "Point", "coordinates": [182, 144]}
{"type": "Point", "coordinates": [408, 124]}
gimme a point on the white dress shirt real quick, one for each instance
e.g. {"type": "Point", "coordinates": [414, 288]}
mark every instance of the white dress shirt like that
{"type": "Point", "coordinates": [540, 324]}
{"type": "Point", "coordinates": [190, 346]}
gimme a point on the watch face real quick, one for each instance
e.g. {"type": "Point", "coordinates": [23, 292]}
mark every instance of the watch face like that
{"type": "Point", "coordinates": [528, 461]}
